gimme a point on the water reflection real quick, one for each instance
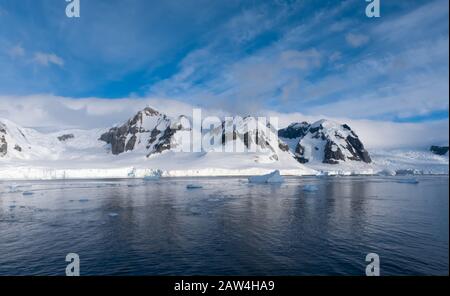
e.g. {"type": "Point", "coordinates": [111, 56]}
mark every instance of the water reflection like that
{"type": "Point", "coordinates": [227, 227]}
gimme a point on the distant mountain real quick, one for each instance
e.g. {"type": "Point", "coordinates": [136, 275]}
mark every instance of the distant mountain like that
{"type": "Point", "coordinates": [152, 132]}
{"type": "Point", "coordinates": [324, 141]}
{"type": "Point", "coordinates": [148, 142]}
{"type": "Point", "coordinates": [439, 150]}
{"type": "Point", "coordinates": [148, 130]}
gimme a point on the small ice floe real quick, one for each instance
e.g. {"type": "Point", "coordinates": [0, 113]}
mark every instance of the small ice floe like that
{"type": "Point", "coordinates": [408, 181]}
{"type": "Point", "coordinates": [132, 173]}
{"type": "Point", "coordinates": [194, 186]}
{"type": "Point", "coordinates": [13, 188]}
{"type": "Point", "coordinates": [273, 177]}
{"type": "Point", "coordinates": [310, 188]}
{"type": "Point", "coordinates": [113, 214]}
{"type": "Point", "coordinates": [154, 175]}
{"type": "Point", "coordinates": [27, 193]}
{"type": "Point", "coordinates": [322, 174]}
{"type": "Point", "coordinates": [83, 200]}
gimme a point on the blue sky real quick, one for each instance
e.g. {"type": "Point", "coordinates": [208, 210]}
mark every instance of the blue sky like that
{"type": "Point", "coordinates": [323, 58]}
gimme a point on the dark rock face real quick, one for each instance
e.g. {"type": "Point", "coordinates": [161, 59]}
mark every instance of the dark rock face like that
{"type": "Point", "coordinates": [18, 148]}
{"type": "Point", "coordinates": [339, 142]}
{"type": "Point", "coordinates": [332, 155]}
{"type": "Point", "coordinates": [3, 143]}
{"type": "Point", "coordinates": [147, 127]}
{"type": "Point", "coordinates": [439, 150]}
{"type": "Point", "coordinates": [66, 137]}
{"type": "Point", "coordinates": [295, 130]}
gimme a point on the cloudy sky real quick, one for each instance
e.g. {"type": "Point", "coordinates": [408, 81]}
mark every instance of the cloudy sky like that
{"type": "Point", "coordinates": [303, 59]}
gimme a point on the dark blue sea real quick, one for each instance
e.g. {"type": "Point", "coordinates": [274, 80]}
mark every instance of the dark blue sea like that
{"type": "Point", "coordinates": [305, 226]}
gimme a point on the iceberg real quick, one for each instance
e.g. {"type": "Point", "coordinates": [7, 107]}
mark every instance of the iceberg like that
{"type": "Point", "coordinates": [153, 176]}
{"type": "Point", "coordinates": [273, 177]}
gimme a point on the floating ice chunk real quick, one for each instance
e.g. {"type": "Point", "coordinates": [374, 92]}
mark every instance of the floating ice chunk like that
{"type": "Point", "coordinates": [83, 200]}
{"type": "Point", "coordinates": [153, 175]}
{"type": "Point", "coordinates": [322, 174]}
{"type": "Point", "coordinates": [194, 186]}
{"type": "Point", "coordinates": [387, 172]}
{"type": "Point", "coordinates": [273, 177]}
{"type": "Point", "coordinates": [27, 193]}
{"type": "Point", "coordinates": [132, 173]}
{"type": "Point", "coordinates": [113, 214]}
{"type": "Point", "coordinates": [13, 188]}
{"type": "Point", "coordinates": [310, 188]}
{"type": "Point", "coordinates": [408, 181]}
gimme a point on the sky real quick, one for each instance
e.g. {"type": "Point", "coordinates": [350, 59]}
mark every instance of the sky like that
{"type": "Point", "coordinates": [301, 60]}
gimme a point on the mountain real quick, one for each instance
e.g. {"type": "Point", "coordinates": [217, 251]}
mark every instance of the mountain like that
{"type": "Point", "coordinates": [149, 143]}
{"type": "Point", "coordinates": [3, 143]}
{"type": "Point", "coordinates": [251, 135]}
{"type": "Point", "coordinates": [439, 150]}
{"type": "Point", "coordinates": [152, 132]}
{"type": "Point", "coordinates": [148, 130]}
{"type": "Point", "coordinates": [324, 141]}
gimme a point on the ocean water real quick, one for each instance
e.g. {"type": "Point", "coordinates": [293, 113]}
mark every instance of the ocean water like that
{"type": "Point", "coordinates": [226, 226]}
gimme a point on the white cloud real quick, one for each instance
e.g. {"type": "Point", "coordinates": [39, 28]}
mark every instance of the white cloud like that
{"type": "Point", "coordinates": [50, 112]}
{"type": "Point", "coordinates": [356, 40]}
{"type": "Point", "coordinates": [45, 59]}
{"type": "Point", "coordinates": [16, 51]}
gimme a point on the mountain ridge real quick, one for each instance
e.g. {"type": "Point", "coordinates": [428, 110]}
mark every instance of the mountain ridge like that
{"type": "Point", "coordinates": [150, 141]}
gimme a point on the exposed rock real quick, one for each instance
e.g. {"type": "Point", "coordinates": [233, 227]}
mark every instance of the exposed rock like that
{"type": "Point", "coordinates": [325, 141]}
{"type": "Point", "coordinates": [295, 130]}
{"type": "Point", "coordinates": [148, 129]}
{"type": "Point", "coordinates": [18, 148]}
{"type": "Point", "coordinates": [3, 143]}
{"type": "Point", "coordinates": [65, 137]}
{"type": "Point", "coordinates": [253, 134]}
{"type": "Point", "coordinates": [439, 150]}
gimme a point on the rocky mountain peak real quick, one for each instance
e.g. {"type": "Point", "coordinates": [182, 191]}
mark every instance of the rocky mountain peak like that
{"type": "Point", "coordinates": [439, 150]}
{"type": "Point", "coordinates": [148, 129]}
{"type": "Point", "coordinates": [325, 141]}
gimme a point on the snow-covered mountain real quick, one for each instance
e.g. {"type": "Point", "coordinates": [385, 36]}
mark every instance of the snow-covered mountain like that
{"type": "Point", "coordinates": [148, 131]}
{"type": "Point", "coordinates": [151, 142]}
{"type": "Point", "coordinates": [13, 140]}
{"type": "Point", "coordinates": [324, 141]}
